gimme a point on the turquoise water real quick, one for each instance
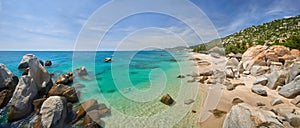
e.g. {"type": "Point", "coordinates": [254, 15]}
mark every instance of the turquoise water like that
{"type": "Point", "coordinates": [131, 85]}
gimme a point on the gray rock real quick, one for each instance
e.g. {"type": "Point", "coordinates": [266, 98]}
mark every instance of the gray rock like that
{"type": "Point", "coordinates": [189, 101]}
{"type": "Point", "coordinates": [276, 101]}
{"type": "Point", "coordinates": [293, 119]}
{"type": "Point", "coordinates": [233, 62]}
{"type": "Point", "coordinates": [275, 79]}
{"type": "Point", "coordinates": [262, 81]}
{"type": "Point", "coordinates": [259, 90]}
{"type": "Point", "coordinates": [25, 61]}
{"type": "Point", "coordinates": [53, 112]}
{"type": "Point", "coordinates": [281, 111]}
{"type": "Point", "coordinates": [7, 79]}
{"type": "Point", "coordinates": [294, 71]}
{"type": "Point", "coordinates": [245, 116]}
{"type": "Point", "coordinates": [259, 70]}
{"type": "Point", "coordinates": [21, 102]}
{"type": "Point", "coordinates": [40, 76]}
{"type": "Point", "coordinates": [292, 89]}
{"type": "Point", "coordinates": [296, 100]}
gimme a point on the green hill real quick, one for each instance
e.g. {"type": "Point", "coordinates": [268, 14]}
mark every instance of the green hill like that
{"type": "Point", "coordinates": [278, 32]}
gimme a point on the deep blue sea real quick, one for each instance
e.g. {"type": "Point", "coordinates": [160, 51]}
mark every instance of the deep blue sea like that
{"type": "Point", "coordinates": [131, 85]}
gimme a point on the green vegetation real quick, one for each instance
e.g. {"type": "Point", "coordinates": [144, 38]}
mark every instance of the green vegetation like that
{"type": "Point", "coordinates": [278, 32]}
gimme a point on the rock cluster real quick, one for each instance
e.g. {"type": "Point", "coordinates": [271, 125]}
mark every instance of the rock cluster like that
{"type": "Point", "coordinates": [275, 68]}
{"type": "Point", "coordinates": [51, 102]}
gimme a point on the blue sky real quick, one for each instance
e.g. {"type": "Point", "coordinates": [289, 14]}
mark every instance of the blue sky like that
{"type": "Point", "coordinates": [56, 24]}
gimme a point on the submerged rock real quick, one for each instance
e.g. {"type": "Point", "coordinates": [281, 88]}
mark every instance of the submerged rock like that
{"type": "Point", "coordinates": [189, 101]}
{"type": "Point", "coordinates": [217, 113]}
{"type": "Point", "coordinates": [84, 107]}
{"type": "Point", "coordinates": [236, 101]}
{"type": "Point", "coordinates": [167, 100]}
{"type": "Point", "coordinates": [21, 104]}
{"type": "Point", "coordinates": [245, 116]}
{"type": "Point", "coordinates": [81, 71]}
{"type": "Point", "coordinates": [180, 76]}
{"type": "Point", "coordinates": [53, 112]}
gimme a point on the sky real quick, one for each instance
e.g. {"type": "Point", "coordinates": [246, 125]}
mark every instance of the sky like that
{"type": "Point", "coordinates": [71, 24]}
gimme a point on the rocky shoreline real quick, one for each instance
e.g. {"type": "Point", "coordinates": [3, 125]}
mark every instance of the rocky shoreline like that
{"type": "Point", "coordinates": [261, 89]}
{"type": "Point", "coordinates": [46, 103]}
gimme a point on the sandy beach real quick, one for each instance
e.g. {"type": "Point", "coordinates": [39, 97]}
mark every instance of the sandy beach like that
{"type": "Point", "coordinates": [211, 92]}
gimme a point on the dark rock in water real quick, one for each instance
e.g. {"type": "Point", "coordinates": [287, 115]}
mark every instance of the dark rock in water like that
{"type": "Point", "coordinates": [7, 79]}
{"type": "Point", "coordinates": [5, 96]}
{"type": "Point", "coordinates": [37, 104]}
{"type": "Point", "coordinates": [63, 90]}
{"type": "Point", "coordinates": [167, 100]}
{"type": "Point", "coordinates": [236, 101]}
{"type": "Point", "coordinates": [217, 113]}
{"type": "Point", "coordinates": [276, 101]}
{"type": "Point", "coordinates": [54, 112]}
{"type": "Point", "coordinates": [191, 80]}
{"type": "Point", "coordinates": [189, 101]}
{"type": "Point", "coordinates": [48, 63]}
{"type": "Point", "coordinates": [25, 61]}
{"type": "Point", "coordinates": [107, 60]}
{"type": "Point", "coordinates": [78, 85]}
{"type": "Point", "coordinates": [65, 79]}
{"type": "Point", "coordinates": [70, 113]}
{"type": "Point", "coordinates": [21, 103]}
{"type": "Point", "coordinates": [25, 72]}
{"type": "Point", "coordinates": [194, 111]}
{"type": "Point", "coordinates": [111, 91]}
{"type": "Point", "coordinates": [181, 76]}
{"type": "Point", "coordinates": [133, 72]}
{"type": "Point", "coordinates": [173, 60]}
{"type": "Point", "coordinates": [259, 90]}
{"type": "Point", "coordinates": [86, 106]}
{"type": "Point", "coordinates": [41, 62]}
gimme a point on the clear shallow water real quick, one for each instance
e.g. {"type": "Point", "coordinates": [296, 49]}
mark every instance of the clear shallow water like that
{"type": "Point", "coordinates": [131, 85]}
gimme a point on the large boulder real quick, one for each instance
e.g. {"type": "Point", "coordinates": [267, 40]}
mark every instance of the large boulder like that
{"type": "Point", "coordinates": [40, 76]}
{"type": "Point", "coordinates": [25, 61]}
{"type": "Point", "coordinates": [245, 116]}
{"type": "Point", "coordinates": [64, 90]}
{"type": "Point", "coordinates": [275, 79]}
{"type": "Point", "coordinates": [65, 79]}
{"type": "Point", "coordinates": [21, 103]}
{"type": "Point", "coordinates": [291, 89]}
{"type": "Point", "coordinates": [7, 79]}
{"type": "Point", "coordinates": [53, 112]}
{"type": "Point", "coordinates": [294, 71]}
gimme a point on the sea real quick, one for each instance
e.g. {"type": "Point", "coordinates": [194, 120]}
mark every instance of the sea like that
{"type": "Point", "coordinates": [131, 85]}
